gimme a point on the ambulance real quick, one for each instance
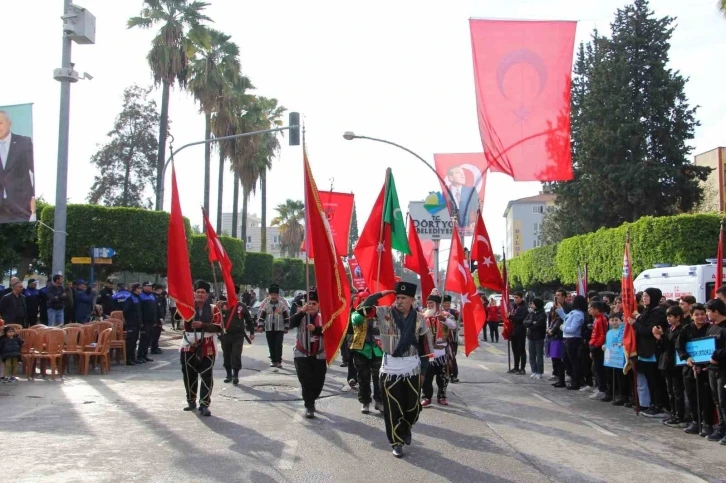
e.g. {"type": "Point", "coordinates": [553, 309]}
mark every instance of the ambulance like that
{"type": "Point", "coordinates": [675, 282]}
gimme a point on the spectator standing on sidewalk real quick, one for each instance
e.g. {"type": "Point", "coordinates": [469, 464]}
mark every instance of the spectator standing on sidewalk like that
{"type": "Point", "coordinates": [554, 344]}
{"type": "Point", "coordinates": [536, 326]}
{"type": "Point", "coordinates": [13, 308]}
{"type": "Point", "coordinates": [572, 334]}
{"type": "Point", "coordinates": [519, 334]}
{"type": "Point", "coordinates": [597, 341]}
{"type": "Point", "coordinates": [696, 381]}
{"type": "Point", "coordinates": [716, 311]}
{"type": "Point", "coordinates": [32, 301]}
{"type": "Point", "coordinates": [56, 302]}
{"type": "Point", "coordinates": [83, 302]}
{"type": "Point", "coordinates": [673, 375]}
{"type": "Point", "coordinates": [494, 314]}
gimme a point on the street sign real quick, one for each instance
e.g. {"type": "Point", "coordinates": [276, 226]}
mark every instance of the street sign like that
{"type": "Point", "coordinates": [103, 252]}
{"type": "Point", "coordinates": [87, 261]}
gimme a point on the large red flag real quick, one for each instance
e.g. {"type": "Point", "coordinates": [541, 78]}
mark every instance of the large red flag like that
{"type": "Point", "coordinates": [217, 253]}
{"type": "Point", "coordinates": [416, 261]}
{"type": "Point", "coordinates": [718, 280]}
{"type": "Point", "coordinates": [330, 277]}
{"type": "Point", "coordinates": [522, 74]}
{"type": "Point", "coordinates": [179, 275]}
{"type": "Point", "coordinates": [339, 211]}
{"type": "Point", "coordinates": [459, 280]}
{"type": "Point", "coordinates": [504, 302]}
{"type": "Point", "coordinates": [483, 255]}
{"type": "Point", "coordinates": [630, 306]}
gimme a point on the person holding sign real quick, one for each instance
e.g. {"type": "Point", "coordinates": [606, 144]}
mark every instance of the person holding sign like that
{"type": "Point", "coordinates": [716, 311]}
{"type": "Point", "coordinates": [694, 378]}
{"type": "Point", "coordinates": [673, 375]}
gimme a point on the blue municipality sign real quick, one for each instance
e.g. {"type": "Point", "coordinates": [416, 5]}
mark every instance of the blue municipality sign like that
{"type": "Point", "coordinates": [614, 356]}
{"type": "Point", "coordinates": [103, 252]}
{"type": "Point", "coordinates": [700, 350]}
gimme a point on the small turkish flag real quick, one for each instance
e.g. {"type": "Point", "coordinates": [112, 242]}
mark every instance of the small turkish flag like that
{"type": "Point", "coordinates": [459, 280]}
{"type": "Point", "coordinates": [482, 253]}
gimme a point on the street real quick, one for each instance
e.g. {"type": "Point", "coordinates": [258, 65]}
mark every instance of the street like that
{"type": "Point", "coordinates": [129, 426]}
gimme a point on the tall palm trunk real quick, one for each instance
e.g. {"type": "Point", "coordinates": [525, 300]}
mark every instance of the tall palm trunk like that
{"type": "Point", "coordinates": [163, 131]}
{"type": "Point", "coordinates": [245, 198]}
{"type": "Point", "coordinates": [220, 189]}
{"type": "Point", "coordinates": [263, 215]}
{"type": "Point", "coordinates": [235, 204]}
{"type": "Point", "coordinates": [207, 161]}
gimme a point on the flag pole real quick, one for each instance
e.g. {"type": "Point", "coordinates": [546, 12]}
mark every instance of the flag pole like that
{"type": "Point", "coordinates": [380, 236]}
{"type": "Point", "coordinates": [506, 291]}
{"type": "Point", "coordinates": [636, 400]}
{"type": "Point", "coordinates": [307, 222]}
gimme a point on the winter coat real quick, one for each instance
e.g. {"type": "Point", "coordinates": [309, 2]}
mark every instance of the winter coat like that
{"type": "Point", "coordinates": [536, 324]}
{"type": "Point", "coordinates": [10, 347]}
{"type": "Point", "coordinates": [599, 331]}
{"type": "Point", "coordinates": [517, 317]}
{"type": "Point", "coordinates": [83, 303]}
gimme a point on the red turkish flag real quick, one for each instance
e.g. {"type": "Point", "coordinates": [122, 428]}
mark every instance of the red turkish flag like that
{"type": "Point", "coordinates": [217, 253]}
{"type": "Point", "coordinates": [416, 261]}
{"type": "Point", "coordinates": [483, 255]}
{"type": "Point", "coordinates": [459, 280]}
{"type": "Point", "coordinates": [338, 209]}
{"type": "Point", "coordinates": [330, 277]}
{"type": "Point", "coordinates": [522, 74]}
{"type": "Point", "coordinates": [179, 275]}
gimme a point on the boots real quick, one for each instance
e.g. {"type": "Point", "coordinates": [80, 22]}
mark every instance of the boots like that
{"type": "Point", "coordinates": [228, 379]}
{"type": "Point", "coordinates": [235, 380]}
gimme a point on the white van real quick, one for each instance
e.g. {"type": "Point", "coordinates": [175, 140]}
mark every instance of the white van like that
{"type": "Point", "coordinates": [674, 282]}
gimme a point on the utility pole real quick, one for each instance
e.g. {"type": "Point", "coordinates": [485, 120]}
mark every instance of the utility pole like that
{"type": "Point", "coordinates": [79, 26]}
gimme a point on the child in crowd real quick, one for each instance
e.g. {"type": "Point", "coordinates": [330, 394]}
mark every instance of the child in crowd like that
{"type": "Point", "coordinates": [695, 377]}
{"type": "Point", "coordinates": [597, 341]}
{"type": "Point", "coordinates": [10, 346]}
{"type": "Point", "coordinates": [97, 314]}
{"type": "Point", "coordinates": [673, 375]}
{"type": "Point", "coordinates": [617, 382]}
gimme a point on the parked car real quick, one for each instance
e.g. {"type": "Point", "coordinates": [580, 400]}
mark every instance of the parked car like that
{"type": "Point", "coordinates": [255, 309]}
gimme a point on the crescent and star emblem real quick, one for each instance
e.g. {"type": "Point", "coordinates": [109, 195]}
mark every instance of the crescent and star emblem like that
{"type": "Point", "coordinates": [400, 216]}
{"type": "Point", "coordinates": [483, 239]}
{"type": "Point", "coordinates": [521, 56]}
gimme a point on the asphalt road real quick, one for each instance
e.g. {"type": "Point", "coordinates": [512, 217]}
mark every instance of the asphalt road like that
{"type": "Point", "coordinates": [129, 426]}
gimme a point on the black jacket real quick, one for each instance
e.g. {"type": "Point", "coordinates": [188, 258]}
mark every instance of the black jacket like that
{"type": "Point", "coordinates": [689, 333]}
{"type": "Point", "coordinates": [13, 309]}
{"type": "Point", "coordinates": [132, 311]}
{"type": "Point", "coordinates": [555, 323]}
{"type": "Point", "coordinates": [519, 313]}
{"type": "Point", "coordinates": [10, 348]}
{"type": "Point", "coordinates": [56, 297]}
{"type": "Point", "coordinates": [161, 304]}
{"type": "Point", "coordinates": [667, 348]}
{"type": "Point", "coordinates": [643, 326]}
{"type": "Point", "coordinates": [718, 331]}
{"type": "Point", "coordinates": [15, 180]}
{"type": "Point", "coordinates": [105, 300]}
{"type": "Point", "coordinates": [241, 322]}
{"type": "Point", "coordinates": [536, 325]}
{"type": "Point", "coordinates": [149, 311]}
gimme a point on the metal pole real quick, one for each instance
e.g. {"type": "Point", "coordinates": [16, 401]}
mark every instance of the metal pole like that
{"type": "Point", "coordinates": [437, 279]}
{"type": "Point", "coordinates": [61, 185]}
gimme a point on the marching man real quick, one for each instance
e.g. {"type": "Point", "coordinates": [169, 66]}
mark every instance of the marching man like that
{"type": "Point", "coordinates": [440, 324]}
{"type": "Point", "coordinates": [310, 363]}
{"type": "Point", "coordinates": [405, 341]}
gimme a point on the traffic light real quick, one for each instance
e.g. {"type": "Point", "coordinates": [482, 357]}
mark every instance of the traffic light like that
{"type": "Point", "coordinates": [294, 123]}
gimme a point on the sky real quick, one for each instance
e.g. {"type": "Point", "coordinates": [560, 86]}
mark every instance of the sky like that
{"type": "Point", "coordinates": [400, 71]}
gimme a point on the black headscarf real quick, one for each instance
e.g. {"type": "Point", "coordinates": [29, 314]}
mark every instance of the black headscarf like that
{"type": "Point", "coordinates": [406, 325]}
{"type": "Point", "coordinates": [655, 295]}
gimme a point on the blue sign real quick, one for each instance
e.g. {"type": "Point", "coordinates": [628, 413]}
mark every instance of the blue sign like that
{"type": "Point", "coordinates": [103, 252]}
{"type": "Point", "coordinates": [700, 350]}
{"type": "Point", "coordinates": [614, 355]}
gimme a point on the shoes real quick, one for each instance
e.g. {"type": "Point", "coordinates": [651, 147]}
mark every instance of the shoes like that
{"type": "Point", "coordinates": [148, 359]}
{"type": "Point", "coordinates": [343, 364]}
{"type": "Point", "coordinates": [568, 379]}
{"type": "Point", "coordinates": [352, 383]}
{"type": "Point", "coordinates": [706, 431]}
{"type": "Point", "coordinates": [13, 379]}
{"type": "Point", "coordinates": [366, 408]}
{"type": "Point", "coordinates": [585, 388]}
{"type": "Point", "coordinates": [692, 428]}
{"type": "Point", "coordinates": [531, 376]}
{"type": "Point", "coordinates": [653, 412]}
{"type": "Point", "coordinates": [716, 436]}
{"type": "Point", "coordinates": [379, 406]}
{"type": "Point", "coordinates": [553, 378]}
{"type": "Point", "coordinates": [407, 438]}
{"type": "Point", "coordinates": [597, 395]}
{"type": "Point", "coordinates": [628, 404]}
{"type": "Point", "coordinates": [722, 442]}
{"type": "Point", "coordinates": [140, 361]}
{"type": "Point", "coordinates": [157, 351]}
{"type": "Point", "coordinates": [128, 363]}
{"type": "Point", "coordinates": [443, 402]}
{"type": "Point", "coordinates": [228, 379]}
{"type": "Point", "coordinates": [512, 371]}
{"type": "Point", "coordinates": [191, 406]}
{"type": "Point", "coordinates": [273, 364]}
{"type": "Point", "coordinates": [522, 373]}
{"type": "Point", "coordinates": [309, 413]}
{"type": "Point", "coordinates": [425, 403]}
{"type": "Point", "coordinates": [559, 385]}
{"type": "Point", "coordinates": [573, 388]}
{"type": "Point", "coordinates": [398, 451]}
{"type": "Point", "coordinates": [538, 376]}
{"type": "Point", "coordinates": [235, 381]}
{"type": "Point", "coordinates": [278, 365]}
{"type": "Point", "coordinates": [455, 380]}
{"type": "Point", "coordinates": [673, 422]}
{"type": "Point", "coordinates": [204, 411]}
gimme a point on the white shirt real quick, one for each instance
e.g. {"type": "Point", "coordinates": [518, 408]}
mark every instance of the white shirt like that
{"type": "Point", "coordinates": [4, 150]}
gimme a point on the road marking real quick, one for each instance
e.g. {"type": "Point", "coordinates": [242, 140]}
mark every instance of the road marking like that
{"type": "Point", "coordinates": [543, 399]}
{"type": "Point", "coordinates": [287, 459]}
{"type": "Point", "coordinates": [485, 367]}
{"type": "Point", "coordinates": [160, 364]}
{"type": "Point", "coordinates": [492, 349]}
{"type": "Point", "coordinates": [28, 412]}
{"type": "Point", "coordinates": [599, 429]}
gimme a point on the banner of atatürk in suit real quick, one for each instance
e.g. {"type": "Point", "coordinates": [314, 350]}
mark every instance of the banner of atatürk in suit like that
{"type": "Point", "coordinates": [17, 170]}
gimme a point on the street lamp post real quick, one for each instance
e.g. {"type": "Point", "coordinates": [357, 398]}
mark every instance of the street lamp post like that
{"type": "Point", "coordinates": [451, 204]}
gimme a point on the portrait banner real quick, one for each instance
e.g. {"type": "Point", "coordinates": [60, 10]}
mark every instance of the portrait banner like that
{"type": "Point", "coordinates": [464, 175]}
{"type": "Point", "coordinates": [17, 167]}
{"type": "Point", "coordinates": [356, 274]}
{"type": "Point", "coordinates": [338, 209]}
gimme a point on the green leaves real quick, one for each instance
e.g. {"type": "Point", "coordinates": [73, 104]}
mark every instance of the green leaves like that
{"type": "Point", "coordinates": [199, 258]}
{"type": "Point", "coordinates": [258, 269]}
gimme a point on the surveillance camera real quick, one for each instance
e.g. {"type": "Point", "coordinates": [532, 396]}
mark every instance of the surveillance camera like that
{"type": "Point", "coordinates": [88, 76]}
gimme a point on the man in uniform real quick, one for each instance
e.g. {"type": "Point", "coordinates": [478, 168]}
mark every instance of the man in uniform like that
{"type": "Point", "coordinates": [198, 350]}
{"type": "Point", "coordinates": [405, 341]}
{"type": "Point", "coordinates": [158, 326]}
{"type": "Point", "coordinates": [105, 298]}
{"type": "Point", "coordinates": [149, 318]}
{"type": "Point", "coordinates": [454, 336]}
{"type": "Point", "coordinates": [274, 319]}
{"type": "Point", "coordinates": [233, 337]}
{"type": "Point", "coordinates": [440, 323]}
{"type": "Point", "coordinates": [366, 354]}
{"type": "Point", "coordinates": [132, 317]}
{"type": "Point", "coordinates": [310, 363]}
{"type": "Point", "coordinates": [32, 301]}
{"type": "Point", "coordinates": [119, 298]}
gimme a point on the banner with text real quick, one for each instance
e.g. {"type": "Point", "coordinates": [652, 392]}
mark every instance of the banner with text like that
{"type": "Point", "coordinates": [356, 274]}
{"type": "Point", "coordinates": [700, 350]}
{"type": "Point", "coordinates": [338, 209]}
{"type": "Point", "coordinates": [432, 221]}
{"type": "Point", "coordinates": [17, 167]}
{"type": "Point", "coordinates": [464, 174]}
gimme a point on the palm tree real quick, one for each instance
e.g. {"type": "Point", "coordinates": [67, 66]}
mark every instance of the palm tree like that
{"type": "Point", "coordinates": [290, 214]}
{"type": "Point", "coordinates": [215, 67]}
{"type": "Point", "coordinates": [180, 31]}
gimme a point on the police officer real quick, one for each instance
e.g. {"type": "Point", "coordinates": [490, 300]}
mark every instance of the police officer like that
{"type": "Point", "coordinates": [235, 328]}
{"type": "Point", "coordinates": [132, 317]}
{"type": "Point", "coordinates": [118, 300]}
{"type": "Point", "coordinates": [149, 318]}
{"type": "Point", "coordinates": [105, 298]}
{"type": "Point", "coordinates": [158, 327]}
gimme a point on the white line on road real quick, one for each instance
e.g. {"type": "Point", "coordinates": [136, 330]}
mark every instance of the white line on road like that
{"type": "Point", "coordinates": [160, 364]}
{"type": "Point", "coordinates": [599, 429]}
{"type": "Point", "coordinates": [287, 459]}
{"type": "Point", "coordinates": [485, 367]}
{"type": "Point", "coordinates": [504, 379]}
{"type": "Point", "coordinates": [28, 412]}
{"type": "Point", "coordinates": [542, 398]}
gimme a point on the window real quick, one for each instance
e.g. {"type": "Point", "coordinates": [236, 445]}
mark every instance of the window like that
{"type": "Point", "coordinates": [537, 227]}
{"type": "Point", "coordinates": [537, 243]}
{"type": "Point", "coordinates": [249, 240]}
{"type": "Point", "coordinates": [538, 209]}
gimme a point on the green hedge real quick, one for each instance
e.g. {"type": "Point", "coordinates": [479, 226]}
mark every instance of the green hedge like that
{"type": "Point", "coordinates": [138, 236]}
{"type": "Point", "coordinates": [289, 273]}
{"type": "Point", "coordinates": [199, 258]}
{"type": "Point", "coordinates": [257, 270]}
{"type": "Point", "coordinates": [681, 239]}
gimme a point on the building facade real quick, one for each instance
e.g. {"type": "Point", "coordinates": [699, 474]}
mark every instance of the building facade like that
{"type": "Point", "coordinates": [524, 221]}
{"type": "Point", "coordinates": [253, 243]}
{"type": "Point", "coordinates": [714, 188]}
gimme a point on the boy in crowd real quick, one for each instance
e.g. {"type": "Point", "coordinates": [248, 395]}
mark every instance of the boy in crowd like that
{"type": "Point", "coordinates": [694, 377]}
{"type": "Point", "coordinates": [673, 375]}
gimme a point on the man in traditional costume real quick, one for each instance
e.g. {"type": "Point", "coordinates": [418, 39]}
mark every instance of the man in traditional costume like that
{"type": "Point", "coordinates": [453, 337]}
{"type": "Point", "coordinates": [198, 349]}
{"type": "Point", "coordinates": [405, 343]}
{"type": "Point", "coordinates": [440, 324]}
{"type": "Point", "coordinates": [367, 354]}
{"type": "Point", "coordinates": [274, 319]}
{"type": "Point", "coordinates": [310, 363]}
{"type": "Point", "coordinates": [236, 325]}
